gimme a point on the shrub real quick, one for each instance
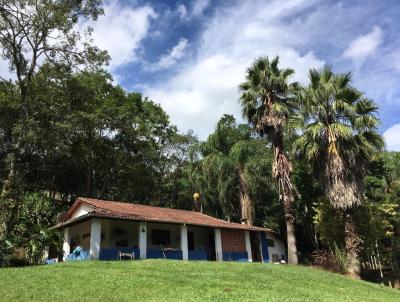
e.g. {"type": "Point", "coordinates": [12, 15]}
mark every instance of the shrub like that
{"type": "Point", "coordinates": [334, 259]}
{"type": "Point", "coordinates": [5, 252]}
{"type": "Point", "coordinates": [32, 232]}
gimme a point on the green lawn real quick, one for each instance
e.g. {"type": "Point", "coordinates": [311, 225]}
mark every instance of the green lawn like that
{"type": "Point", "coordinates": [160, 280]}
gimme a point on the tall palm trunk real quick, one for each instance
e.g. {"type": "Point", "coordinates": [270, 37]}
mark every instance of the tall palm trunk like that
{"type": "Point", "coordinates": [352, 241]}
{"type": "Point", "coordinates": [343, 191]}
{"type": "Point", "coordinates": [246, 203]}
{"type": "Point", "coordinates": [281, 170]}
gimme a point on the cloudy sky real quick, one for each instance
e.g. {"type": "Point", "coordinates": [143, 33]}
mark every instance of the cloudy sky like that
{"type": "Point", "coordinates": [190, 56]}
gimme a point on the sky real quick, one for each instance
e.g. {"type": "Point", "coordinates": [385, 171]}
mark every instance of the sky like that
{"type": "Point", "coordinates": [190, 56]}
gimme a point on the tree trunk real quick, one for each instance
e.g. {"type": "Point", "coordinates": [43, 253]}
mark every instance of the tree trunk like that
{"type": "Point", "coordinates": [281, 170]}
{"type": "Point", "coordinates": [352, 242]}
{"type": "Point", "coordinates": [291, 237]}
{"type": "Point", "coordinates": [291, 240]}
{"type": "Point", "coordinates": [246, 204]}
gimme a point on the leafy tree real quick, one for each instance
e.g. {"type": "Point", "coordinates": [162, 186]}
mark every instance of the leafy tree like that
{"type": "Point", "coordinates": [33, 230]}
{"type": "Point", "coordinates": [33, 32]}
{"type": "Point", "coordinates": [340, 138]}
{"type": "Point", "coordinates": [379, 219]}
{"type": "Point", "coordinates": [266, 103]}
{"type": "Point", "coordinates": [176, 185]}
{"type": "Point", "coordinates": [228, 152]}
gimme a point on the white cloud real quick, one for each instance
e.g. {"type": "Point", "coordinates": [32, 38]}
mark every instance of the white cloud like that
{"type": "Point", "coordinates": [392, 138]}
{"type": "Point", "coordinates": [199, 6]}
{"type": "Point", "coordinates": [364, 45]}
{"type": "Point", "coordinates": [207, 86]}
{"type": "Point", "coordinates": [173, 56]}
{"type": "Point", "coordinates": [182, 11]}
{"type": "Point", "coordinates": [196, 10]}
{"type": "Point", "coordinates": [121, 31]}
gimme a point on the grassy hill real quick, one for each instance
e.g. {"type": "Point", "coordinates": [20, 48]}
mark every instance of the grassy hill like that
{"type": "Point", "coordinates": [159, 280]}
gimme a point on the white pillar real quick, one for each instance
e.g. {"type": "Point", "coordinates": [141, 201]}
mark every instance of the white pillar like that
{"type": "Point", "coordinates": [248, 245]}
{"type": "Point", "coordinates": [261, 249]}
{"type": "Point", "coordinates": [95, 238]}
{"type": "Point", "coordinates": [143, 239]}
{"type": "Point", "coordinates": [184, 242]}
{"type": "Point", "coordinates": [66, 246]}
{"type": "Point", "coordinates": [218, 245]}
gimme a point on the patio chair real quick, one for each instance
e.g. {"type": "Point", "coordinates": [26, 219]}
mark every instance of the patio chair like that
{"type": "Point", "coordinates": [127, 255]}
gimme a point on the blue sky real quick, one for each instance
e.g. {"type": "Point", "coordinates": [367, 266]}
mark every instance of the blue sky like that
{"type": "Point", "coordinates": [190, 56]}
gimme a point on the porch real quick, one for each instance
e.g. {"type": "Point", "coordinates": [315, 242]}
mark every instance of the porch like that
{"type": "Point", "coordinates": [104, 239]}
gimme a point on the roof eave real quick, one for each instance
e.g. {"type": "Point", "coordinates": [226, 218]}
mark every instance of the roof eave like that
{"type": "Point", "coordinates": [99, 215]}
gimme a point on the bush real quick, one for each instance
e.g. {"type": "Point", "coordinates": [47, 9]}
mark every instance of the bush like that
{"type": "Point", "coordinates": [32, 232]}
{"type": "Point", "coordinates": [333, 260]}
{"type": "Point", "coordinates": [18, 258]}
{"type": "Point", "coordinates": [340, 259]}
{"type": "Point", "coordinates": [5, 252]}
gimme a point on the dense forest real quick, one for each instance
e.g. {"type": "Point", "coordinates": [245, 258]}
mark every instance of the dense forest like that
{"type": "Point", "coordinates": [309, 164]}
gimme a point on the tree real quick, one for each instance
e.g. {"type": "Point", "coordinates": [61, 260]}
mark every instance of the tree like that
{"type": "Point", "coordinates": [339, 137]}
{"type": "Point", "coordinates": [33, 230]}
{"type": "Point", "coordinates": [33, 32]}
{"type": "Point", "coordinates": [266, 103]}
{"type": "Point", "coordinates": [223, 164]}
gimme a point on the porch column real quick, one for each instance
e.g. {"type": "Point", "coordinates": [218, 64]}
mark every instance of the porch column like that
{"type": "Point", "coordinates": [143, 239]}
{"type": "Point", "coordinates": [66, 246]}
{"type": "Point", "coordinates": [95, 239]}
{"type": "Point", "coordinates": [184, 242]}
{"type": "Point", "coordinates": [261, 248]}
{"type": "Point", "coordinates": [248, 245]}
{"type": "Point", "coordinates": [218, 245]}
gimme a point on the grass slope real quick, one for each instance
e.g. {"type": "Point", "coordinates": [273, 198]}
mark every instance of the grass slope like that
{"type": "Point", "coordinates": [160, 280]}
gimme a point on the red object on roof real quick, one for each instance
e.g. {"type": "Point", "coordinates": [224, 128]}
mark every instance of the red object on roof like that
{"type": "Point", "coordinates": [138, 212]}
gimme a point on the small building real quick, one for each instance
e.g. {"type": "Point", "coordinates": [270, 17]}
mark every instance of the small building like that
{"type": "Point", "coordinates": [105, 229]}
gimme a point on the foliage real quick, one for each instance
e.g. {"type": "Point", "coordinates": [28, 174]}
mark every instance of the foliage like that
{"type": "Point", "coordinates": [339, 135]}
{"type": "Point", "coordinates": [37, 214]}
{"type": "Point", "coordinates": [333, 259]}
{"type": "Point", "coordinates": [33, 33]}
{"type": "Point", "coordinates": [232, 161]}
{"type": "Point", "coordinates": [85, 131]}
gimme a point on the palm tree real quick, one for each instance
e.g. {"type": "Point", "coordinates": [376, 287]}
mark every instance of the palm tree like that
{"type": "Point", "coordinates": [339, 137]}
{"type": "Point", "coordinates": [227, 153]}
{"type": "Point", "coordinates": [266, 103]}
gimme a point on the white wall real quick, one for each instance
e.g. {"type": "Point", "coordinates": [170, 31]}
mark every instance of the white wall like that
{"type": "Point", "coordinates": [218, 244]}
{"type": "Point", "coordinates": [77, 232]}
{"type": "Point", "coordinates": [83, 209]}
{"type": "Point", "coordinates": [66, 244]}
{"type": "Point", "coordinates": [95, 238]}
{"type": "Point", "coordinates": [279, 248]}
{"type": "Point", "coordinates": [248, 245]}
{"type": "Point", "coordinates": [142, 235]}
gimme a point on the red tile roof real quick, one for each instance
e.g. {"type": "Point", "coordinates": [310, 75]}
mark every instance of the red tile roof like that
{"type": "Point", "coordinates": [138, 212]}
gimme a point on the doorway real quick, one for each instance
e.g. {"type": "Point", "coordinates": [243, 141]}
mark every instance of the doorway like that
{"type": "Point", "coordinates": [255, 246]}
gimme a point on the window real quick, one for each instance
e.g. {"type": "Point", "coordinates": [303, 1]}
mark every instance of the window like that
{"type": "Point", "coordinates": [190, 241]}
{"type": "Point", "coordinates": [270, 242]}
{"type": "Point", "coordinates": [160, 237]}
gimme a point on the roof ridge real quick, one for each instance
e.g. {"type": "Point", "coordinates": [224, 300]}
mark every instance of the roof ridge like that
{"type": "Point", "coordinates": [144, 205]}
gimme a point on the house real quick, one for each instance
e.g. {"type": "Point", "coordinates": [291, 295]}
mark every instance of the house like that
{"type": "Point", "coordinates": [103, 229]}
